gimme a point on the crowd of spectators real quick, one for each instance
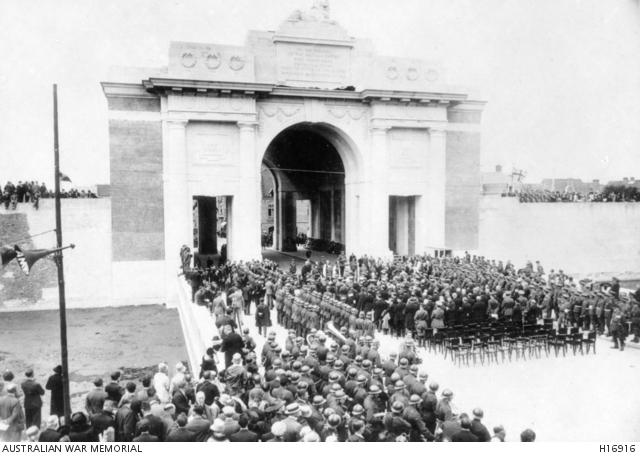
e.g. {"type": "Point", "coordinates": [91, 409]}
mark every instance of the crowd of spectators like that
{"type": "Point", "coordinates": [31, 191]}
{"type": "Point", "coordinates": [320, 382]}
{"type": "Point", "coordinates": [610, 194]}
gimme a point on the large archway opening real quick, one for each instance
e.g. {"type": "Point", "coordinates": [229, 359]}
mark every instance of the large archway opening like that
{"type": "Point", "coordinates": [303, 191]}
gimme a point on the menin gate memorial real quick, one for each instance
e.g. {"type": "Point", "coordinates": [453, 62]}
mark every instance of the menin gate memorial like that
{"type": "Point", "coordinates": [386, 154]}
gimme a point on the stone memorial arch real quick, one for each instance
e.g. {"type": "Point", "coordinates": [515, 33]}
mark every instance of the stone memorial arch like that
{"type": "Point", "coordinates": [384, 149]}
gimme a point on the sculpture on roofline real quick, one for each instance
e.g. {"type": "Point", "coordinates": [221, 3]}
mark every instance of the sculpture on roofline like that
{"type": "Point", "coordinates": [319, 12]}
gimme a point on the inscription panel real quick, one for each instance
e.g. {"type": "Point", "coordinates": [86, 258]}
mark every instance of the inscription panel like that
{"type": "Point", "coordinates": [313, 63]}
{"type": "Point", "coordinates": [211, 144]}
{"type": "Point", "coordinates": [407, 148]}
{"type": "Point", "coordinates": [212, 149]}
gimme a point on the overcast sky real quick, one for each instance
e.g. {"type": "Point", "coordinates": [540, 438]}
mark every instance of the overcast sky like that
{"type": "Point", "coordinates": [561, 77]}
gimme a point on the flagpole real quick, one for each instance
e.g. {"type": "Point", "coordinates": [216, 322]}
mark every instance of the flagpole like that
{"type": "Point", "coordinates": [61, 296]}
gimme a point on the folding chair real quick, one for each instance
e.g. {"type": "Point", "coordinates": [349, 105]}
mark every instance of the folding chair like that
{"type": "Point", "coordinates": [590, 341]}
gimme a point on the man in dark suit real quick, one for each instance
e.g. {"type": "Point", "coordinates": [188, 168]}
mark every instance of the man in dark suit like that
{"type": "Point", "coordinates": [180, 399]}
{"type": "Point", "coordinates": [232, 343]}
{"type": "Point", "coordinates": [464, 434]}
{"type": "Point", "coordinates": [153, 424]}
{"type": "Point", "coordinates": [477, 428]}
{"type": "Point", "coordinates": [210, 390]}
{"type": "Point", "coordinates": [199, 425]}
{"type": "Point", "coordinates": [244, 434]}
{"type": "Point", "coordinates": [145, 436]}
{"type": "Point", "coordinates": [54, 384]}
{"type": "Point", "coordinates": [126, 420]}
{"type": "Point", "coordinates": [181, 433]}
{"type": "Point", "coordinates": [114, 390]}
{"type": "Point", "coordinates": [51, 434]}
{"type": "Point", "coordinates": [357, 427]}
{"type": "Point", "coordinates": [33, 393]}
{"type": "Point", "coordinates": [103, 419]}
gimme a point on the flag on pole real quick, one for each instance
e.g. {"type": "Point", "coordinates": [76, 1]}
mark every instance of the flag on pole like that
{"type": "Point", "coordinates": [64, 177]}
{"type": "Point", "coordinates": [27, 258]}
{"type": "Point", "coordinates": [7, 254]}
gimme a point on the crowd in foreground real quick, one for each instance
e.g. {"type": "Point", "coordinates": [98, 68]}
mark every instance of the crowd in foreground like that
{"type": "Point", "coordinates": [327, 381]}
{"type": "Point", "coordinates": [309, 395]}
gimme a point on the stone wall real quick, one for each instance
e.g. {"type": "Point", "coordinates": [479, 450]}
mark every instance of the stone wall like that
{"type": "Point", "coordinates": [462, 190]}
{"type": "Point", "coordinates": [136, 190]}
{"type": "Point", "coordinates": [85, 223]}
{"type": "Point", "coordinates": [580, 238]}
{"type": "Point", "coordinates": [92, 278]}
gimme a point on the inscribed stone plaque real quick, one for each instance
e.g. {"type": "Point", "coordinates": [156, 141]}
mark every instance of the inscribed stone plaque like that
{"type": "Point", "coordinates": [313, 63]}
{"type": "Point", "coordinates": [211, 149]}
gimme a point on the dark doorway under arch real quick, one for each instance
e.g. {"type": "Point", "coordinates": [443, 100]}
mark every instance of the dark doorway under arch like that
{"type": "Point", "coordinates": [307, 171]}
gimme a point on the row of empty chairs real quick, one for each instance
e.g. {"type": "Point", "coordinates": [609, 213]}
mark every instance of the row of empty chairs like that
{"type": "Point", "coordinates": [501, 341]}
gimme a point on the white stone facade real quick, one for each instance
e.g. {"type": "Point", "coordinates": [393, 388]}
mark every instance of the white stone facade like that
{"type": "Point", "coordinates": [221, 106]}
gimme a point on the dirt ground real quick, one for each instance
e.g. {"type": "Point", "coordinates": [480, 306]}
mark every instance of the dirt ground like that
{"type": "Point", "coordinates": [131, 339]}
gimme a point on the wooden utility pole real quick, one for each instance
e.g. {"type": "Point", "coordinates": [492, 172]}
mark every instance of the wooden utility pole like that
{"type": "Point", "coordinates": [59, 263]}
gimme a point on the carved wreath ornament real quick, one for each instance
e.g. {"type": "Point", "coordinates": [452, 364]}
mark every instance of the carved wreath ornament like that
{"type": "Point", "coordinates": [412, 74]}
{"type": "Point", "coordinates": [189, 60]}
{"type": "Point", "coordinates": [236, 63]}
{"type": "Point", "coordinates": [213, 61]}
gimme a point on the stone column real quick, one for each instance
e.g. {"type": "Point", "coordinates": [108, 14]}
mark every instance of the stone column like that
{"type": "Point", "coordinates": [332, 216]}
{"type": "Point", "coordinates": [177, 207]}
{"type": "Point", "coordinates": [378, 197]}
{"type": "Point", "coordinates": [435, 197]}
{"type": "Point", "coordinates": [246, 204]}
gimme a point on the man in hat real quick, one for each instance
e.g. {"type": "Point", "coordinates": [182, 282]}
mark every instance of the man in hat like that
{"type": "Point", "coordinates": [618, 329]}
{"type": "Point", "coordinates": [217, 431]}
{"type": "Point", "coordinates": [499, 434]}
{"type": "Point", "coordinates": [464, 434]}
{"type": "Point", "coordinates": [394, 422]}
{"type": "Point", "coordinates": [615, 287]}
{"type": "Point", "coordinates": [54, 384]}
{"type": "Point", "coordinates": [232, 343]}
{"type": "Point", "coordinates": [419, 431]}
{"type": "Point", "coordinates": [477, 428]}
{"type": "Point", "coordinates": [292, 423]}
{"type": "Point", "coordinates": [33, 393]}
{"type": "Point", "coordinates": [235, 375]}
{"type": "Point", "coordinates": [444, 409]}
{"type": "Point", "coordinates": [373, 403]}
{"type": "Point", "coordinates": [278, 430]}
